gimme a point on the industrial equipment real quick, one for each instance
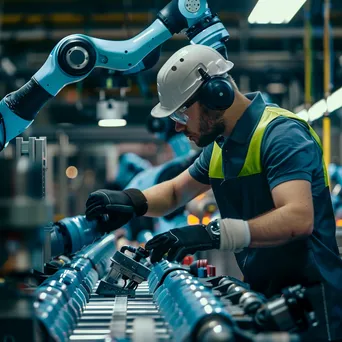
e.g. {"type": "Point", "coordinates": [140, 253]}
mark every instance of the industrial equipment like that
{"type": "Point", "coordinates": [122, 269]}
{"type": "Point", "coordinates": [71, 234]}
{"type": "Point", "coordinates": [86, 300]}
{"type": "Point", "coordinates": [176, 305]}
{"type": "Point", "coordinates": [60, 300]}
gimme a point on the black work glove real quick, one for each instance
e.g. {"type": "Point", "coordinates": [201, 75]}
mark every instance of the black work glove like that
{"type": "Point", "coordinates": [120, 206]}
{"type": "Point", "coordinates": [180, 242]}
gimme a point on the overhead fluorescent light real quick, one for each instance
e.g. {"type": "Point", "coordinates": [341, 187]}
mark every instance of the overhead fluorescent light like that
{"type": "Point", "coordinates": [317, 110]}
{"type": "Point", "coordinates": [110, 113]}
{"type": "Point", "coordinates": [303, 114]}
{"type": "Point", "coordinates": [335, 100]}
{"type": "Point", "coordinates": [7, 65]}
{"type": "Point", "coordinates": [112, 123]}
{"type": "Point", "coordinates": [274, 11]}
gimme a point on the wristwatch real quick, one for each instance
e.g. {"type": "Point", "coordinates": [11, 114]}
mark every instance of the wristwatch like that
{"type": "Point", "coordinates": [213, 229]}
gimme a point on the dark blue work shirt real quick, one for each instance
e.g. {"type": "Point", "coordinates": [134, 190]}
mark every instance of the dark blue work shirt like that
{"type": "Point", "coordinates": [288, 152]}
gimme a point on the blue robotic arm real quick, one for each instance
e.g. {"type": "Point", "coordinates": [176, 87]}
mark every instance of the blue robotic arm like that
{"type": "Point", "coordinates": [75, 56]}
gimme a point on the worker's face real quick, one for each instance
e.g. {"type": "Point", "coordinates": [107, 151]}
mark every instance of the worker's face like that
{"type": "Point", "coordinates": [203, 125]}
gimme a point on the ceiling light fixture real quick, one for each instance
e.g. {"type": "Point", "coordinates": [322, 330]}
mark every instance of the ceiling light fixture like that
{"type": "Point", "coordinates": [274, 11]}
{"type": "Point", "coordinates": [317, 110]}
{"type": "Point", "coordinates": [110, 113]}
{"type": "Point", "coordinates": [112, 123]}
{"type": "Point", "coordinates": [335, 100]}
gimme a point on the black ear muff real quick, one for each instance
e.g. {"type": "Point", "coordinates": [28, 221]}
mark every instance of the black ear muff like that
{"type": "Point", "coordinates": [216, 93]}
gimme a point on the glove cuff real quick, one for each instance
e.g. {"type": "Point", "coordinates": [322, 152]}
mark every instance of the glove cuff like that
{"type": "Point", "coordinates": [139, 201]}
{"type": "Point", "coordinates": [235, 235]}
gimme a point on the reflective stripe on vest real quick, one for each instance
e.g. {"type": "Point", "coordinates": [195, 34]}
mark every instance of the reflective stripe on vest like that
{"type": "Point", "coordinates": [252, 163]}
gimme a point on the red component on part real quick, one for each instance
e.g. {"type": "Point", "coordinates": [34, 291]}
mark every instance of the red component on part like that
{"type": "Point", "coordinates": [188, 260]}
{"type": "Point", "coordinates": [202, 263]}
{"type": "Point", "coordinates": [211, 270]}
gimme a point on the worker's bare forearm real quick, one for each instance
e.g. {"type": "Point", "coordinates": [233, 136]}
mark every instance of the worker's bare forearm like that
{"type": "Point", "coordinates": [161, 199]}
{"type": "Point", "coordinates": [166, 197]}
{"type": "Point", "coordinates": [280, 226]}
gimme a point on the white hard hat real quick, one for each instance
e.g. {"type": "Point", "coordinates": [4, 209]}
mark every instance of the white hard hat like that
{"type": "Point", "coordinates": [178, 79]}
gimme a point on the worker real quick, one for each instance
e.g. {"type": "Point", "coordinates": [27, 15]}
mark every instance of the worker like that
{"type": "Point", "coordinates": [266, 169]}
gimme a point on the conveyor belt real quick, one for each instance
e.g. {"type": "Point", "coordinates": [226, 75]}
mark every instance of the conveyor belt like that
{"type": "Point", "coordinates": [122, 318]}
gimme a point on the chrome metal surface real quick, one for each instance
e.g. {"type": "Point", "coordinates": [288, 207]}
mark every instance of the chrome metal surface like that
{"type": "Point", "coordinates": [107, 319]}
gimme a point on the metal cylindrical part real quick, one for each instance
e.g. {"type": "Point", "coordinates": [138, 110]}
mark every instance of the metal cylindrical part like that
{"type": "Point", "coordinates": [211, 270]}
{"type": "Point", "coordinates": [77, 57]}
{"type": "Point", "coordinates": [250, 302]}
{"type": "Point", "coordinates": [234, 289]}
{"type": "Point", "coordinates": [215, 330]}
{"type": "Point", "coordinates": [227, 281]}
{"type": "Point", "coordinates": [71, 234]}
{"type": "Point", "coordinates": [202, 272]}
{"type": "Point", "coordinates": [188, 306]}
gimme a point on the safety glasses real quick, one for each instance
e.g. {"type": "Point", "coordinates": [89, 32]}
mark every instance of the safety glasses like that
{"type": "Point", "coordinates": [179, 115]}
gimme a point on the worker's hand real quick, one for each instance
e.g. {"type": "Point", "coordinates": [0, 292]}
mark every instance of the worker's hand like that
{"type": "Point", "coordinates": [120, 206]}
{"type": "Point", "coordinates": [180, 242]}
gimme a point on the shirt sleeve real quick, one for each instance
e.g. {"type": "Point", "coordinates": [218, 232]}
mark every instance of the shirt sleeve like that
{"type": "Point", "coordinates": [199, 170]}
{"type": "Point", "coordinates": [289, 152]}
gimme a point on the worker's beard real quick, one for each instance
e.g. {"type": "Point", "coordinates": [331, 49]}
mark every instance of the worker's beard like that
{"type": "Point", "coordinates": [211, 126]}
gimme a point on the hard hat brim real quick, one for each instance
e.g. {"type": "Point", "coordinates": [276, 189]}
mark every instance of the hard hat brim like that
{"type": "Point", "coordinates": [159, 112]}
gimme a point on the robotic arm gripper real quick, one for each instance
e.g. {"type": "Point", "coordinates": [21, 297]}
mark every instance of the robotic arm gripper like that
{"type": "Point", "coordinates": [75, 56]}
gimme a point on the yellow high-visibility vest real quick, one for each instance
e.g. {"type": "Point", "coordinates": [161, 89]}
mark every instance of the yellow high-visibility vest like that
{"type": "Point", "coordinates": [252, 164]}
